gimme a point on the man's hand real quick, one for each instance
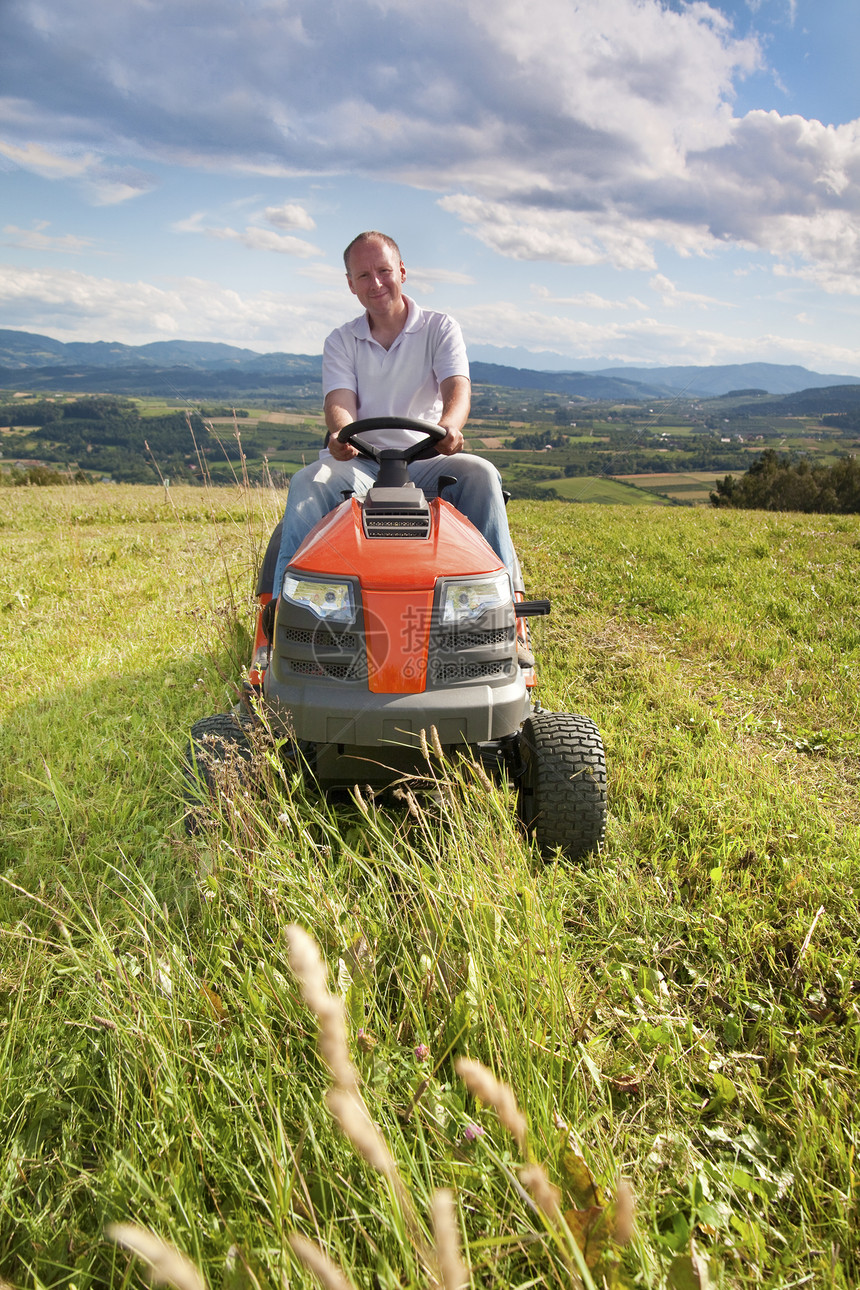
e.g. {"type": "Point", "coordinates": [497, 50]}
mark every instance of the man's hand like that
{"type": "Point", "coordinates": [341, 409]}
{"type": "Point", "coordinates": [453, 442]}
{"type": "Point", "coordinates": [341, 451]}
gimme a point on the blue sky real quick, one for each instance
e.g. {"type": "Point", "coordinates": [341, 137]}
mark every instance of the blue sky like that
{"type": "Point", "coordinates": [607, 181]}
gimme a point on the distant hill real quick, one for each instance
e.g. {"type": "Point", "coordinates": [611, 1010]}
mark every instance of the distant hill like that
{"type": "Point", "coordinates": [23, 350]}
{"type": "Point", "coordinates": [203, 369]}
{"type": "Point", "coordinates": [814, 402]}
{"type": "Point", "coordinates": [708, 382]}
{"type": "Point", "coordinates": [198, 384]}
{"type": "Point", "coordinates": [704, 382]}
{"type": "Point", "coordinates": [585, 385]}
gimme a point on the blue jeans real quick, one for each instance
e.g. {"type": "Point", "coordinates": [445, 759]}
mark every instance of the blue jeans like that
{"type": "Point", "coordinates": [319, 488]}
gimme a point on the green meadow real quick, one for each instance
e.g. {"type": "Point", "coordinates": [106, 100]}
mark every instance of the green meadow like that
{"type": "Point", "coordinates": [676, 1021]}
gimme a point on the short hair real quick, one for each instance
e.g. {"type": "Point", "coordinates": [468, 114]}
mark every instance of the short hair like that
{"type": "Point", "coordinates": [371, 236]}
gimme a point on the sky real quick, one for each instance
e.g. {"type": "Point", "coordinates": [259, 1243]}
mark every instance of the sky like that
{"type": "Point", "coordinates": [596, 182]}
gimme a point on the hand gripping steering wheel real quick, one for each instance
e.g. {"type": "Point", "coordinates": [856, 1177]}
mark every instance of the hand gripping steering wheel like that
{"type": "Point", "coordinates": [410, 452]}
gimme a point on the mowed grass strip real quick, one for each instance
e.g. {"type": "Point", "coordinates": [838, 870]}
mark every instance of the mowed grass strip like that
{"type": "Point", "coordinates": [685, 1004]}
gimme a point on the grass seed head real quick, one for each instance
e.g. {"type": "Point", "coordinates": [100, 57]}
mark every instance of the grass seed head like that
{"type": "Point", "coordinates": [324, 1269]}
{"type": "Point", "coordinates": [494, 1093]}
{"type": "Point", "coordinates": [482, 777]}
{"type": "Point", "coordinates": [535, 1181]}
{"type": "Point", "coordinates": [308, 966]}
{"type": "Point", "coordinates": [347, 1107]}
{"type": "Point", "coordinates": [453, 1272]}
{"type": "Point", "coordinates": [359, 801]}
{"type": "Point", "coordinates": [168, 1266]}
{"type": "Point", "coordinates": [624, 1206]}
{"type": "Point", "coordinates": [310, 970]}
{"type": "Point", "coordinates": [333, 1044]}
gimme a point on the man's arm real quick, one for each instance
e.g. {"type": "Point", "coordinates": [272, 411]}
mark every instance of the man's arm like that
{"type": "Point", "coordinates": [456, 394]}
{"type": "Point", "coordinates": [341, 409]}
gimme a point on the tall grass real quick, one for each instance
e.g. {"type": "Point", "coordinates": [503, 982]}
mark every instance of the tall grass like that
{"type": "Point", "coordinates": [679, 1016]}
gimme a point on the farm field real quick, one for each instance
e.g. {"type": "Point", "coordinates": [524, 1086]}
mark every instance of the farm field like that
{"type": "Point", "coordinates": [602, 490]}
{"type": "Point", "coordinates": [679, 1016]}
{"type": "Point", "coordinates": [692, 486]}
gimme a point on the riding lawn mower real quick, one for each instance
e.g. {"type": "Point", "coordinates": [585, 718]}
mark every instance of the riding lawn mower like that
{"type": "Point", "coordinates": [396, 628]}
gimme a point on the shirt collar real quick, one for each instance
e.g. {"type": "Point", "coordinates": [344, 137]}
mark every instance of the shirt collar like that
{"type": "Point", "coordinates": [414, 321]}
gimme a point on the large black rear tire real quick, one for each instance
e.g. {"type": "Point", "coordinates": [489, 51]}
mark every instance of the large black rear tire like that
{"type": "Point", "coordinates": [218, 758]}
{"type": "Point", "coordinates": [563, 783]}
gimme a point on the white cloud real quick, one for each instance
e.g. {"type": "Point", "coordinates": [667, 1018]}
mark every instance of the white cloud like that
{"type": "Point", "coordinates": [253, 237]}
{"type": "Point", "coordinates": [830, 279]}
{"type": "Point", "coordinates": [109, 187]}
{"type": "Point", "coordinates": [48, 164]}
{"type": "Point", "coordinates": [645, 340]}
{"type": "Point", "coordinates": [263, 239]}
{"type": "Point", "coordinates": [106, 185]}
{"type": "Point", "coordinates": [586, 133]}
{"type": "Point", "coordinates": [586, 300]}
{"type": "Point", "coordinates": [425, 280]}
{"type": "Point", "coordinates": [788, 185]}
{"type": "Point", "coordinates": [531, 232]}
{"type": "Point", "coordinates": [290, 215]}
{"type": "Point", "coordinates": [191, 223]}
{"type": "Point", "coordinates": [673, 297]}
{"type": "Point", "coordinates": [36, 239]}
{"type": "Point", "coordinates": [330, 275]}
{"type": "Point", "coordinates": [78, 306]}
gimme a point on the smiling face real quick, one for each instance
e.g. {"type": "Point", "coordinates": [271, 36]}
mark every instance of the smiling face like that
{"type": "Point", "coordinates": [376, 277]}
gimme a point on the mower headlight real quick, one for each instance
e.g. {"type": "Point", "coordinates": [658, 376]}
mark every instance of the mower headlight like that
{"type": "Point", "coordinates": [468, 598]}
{"type": "Point", "coordinates": [330, 601]}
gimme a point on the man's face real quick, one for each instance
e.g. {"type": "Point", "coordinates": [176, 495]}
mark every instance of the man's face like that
{"type": "Point", "coordinates": [376, 276]}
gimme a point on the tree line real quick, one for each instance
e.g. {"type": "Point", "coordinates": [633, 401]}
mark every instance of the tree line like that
{"type": "Point", "coordinates": [777, 483]}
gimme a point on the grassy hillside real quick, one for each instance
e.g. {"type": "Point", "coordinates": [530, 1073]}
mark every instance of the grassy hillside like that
{"type": "Point", "coordinates": [682, 1013]}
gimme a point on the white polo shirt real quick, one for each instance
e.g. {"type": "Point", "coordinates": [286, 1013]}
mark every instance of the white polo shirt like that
{"type": "Point", "coordinates": [401, 381]}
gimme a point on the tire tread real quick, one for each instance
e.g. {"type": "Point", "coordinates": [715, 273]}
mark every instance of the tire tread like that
{"type": "Point", "coordinates": [564, 783]}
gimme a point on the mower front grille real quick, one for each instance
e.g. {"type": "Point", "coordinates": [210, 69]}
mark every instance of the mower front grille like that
{"type": "Point", "coordinates": [481, 651]}
{"type": "Point", "coordinates": [383, 523]}
{"type": "Point", "coordinates": [319, 638]}
{"type": "Point", "coordinates": [462, 670]}
{"type": "Point", "coordinates": [455, 641]}
{"type": "Point", "coordinates": [336, 671]}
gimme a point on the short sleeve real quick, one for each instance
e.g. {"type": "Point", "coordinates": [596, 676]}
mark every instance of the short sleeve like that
{"type": "Point", "coordinates": [449, 355]}
{"type": "Point", "coordinates": [338, 368]}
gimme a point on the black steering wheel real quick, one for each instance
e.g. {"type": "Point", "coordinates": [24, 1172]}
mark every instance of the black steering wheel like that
{"type": "Point", "coordinates": [411, 452]}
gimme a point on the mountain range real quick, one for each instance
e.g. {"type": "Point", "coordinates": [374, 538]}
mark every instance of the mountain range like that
{"type": "Point", "coordinates": [204, 367]}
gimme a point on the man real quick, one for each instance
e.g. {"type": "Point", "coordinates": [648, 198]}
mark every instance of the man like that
{"type": "Point", "coordinates": [395, 359]}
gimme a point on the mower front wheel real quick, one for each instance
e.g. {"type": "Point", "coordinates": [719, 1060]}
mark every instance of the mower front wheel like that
{"type": "Point", "coordinates": [217, 761]}
{"type": "Point", "coordinates": [563, 784]}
